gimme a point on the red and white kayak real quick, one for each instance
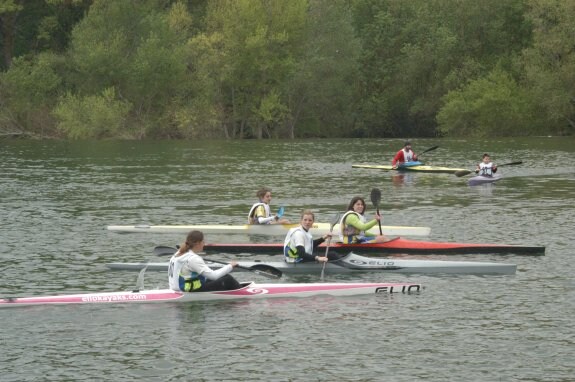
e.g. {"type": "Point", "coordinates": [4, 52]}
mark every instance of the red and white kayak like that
{"type": "Point", "coordinates": [397, 245]}
{"type": "Point", "coordinates": [249, 290]}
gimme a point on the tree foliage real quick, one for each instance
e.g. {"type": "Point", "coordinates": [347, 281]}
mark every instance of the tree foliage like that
{"type": "Point", "coordinates": [301, 68]}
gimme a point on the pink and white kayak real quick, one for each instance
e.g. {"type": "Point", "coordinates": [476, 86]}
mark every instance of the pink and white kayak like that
{"type": "Point", "coordinates": [249, 290]}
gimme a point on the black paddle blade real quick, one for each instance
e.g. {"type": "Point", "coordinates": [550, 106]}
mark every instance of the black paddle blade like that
{"type": "Point", "coordinates": [375, 197]}
{"type": "Point", "coordinates": [510, 164]}
{"type": "Point", "coordinates": [162, 250]}
{"type": "Point", "coordinates": [334, 221]}
{"type": "Point", "coordinates": [461, 173]}
{"type": "Point", "coordinates": [267, 271]}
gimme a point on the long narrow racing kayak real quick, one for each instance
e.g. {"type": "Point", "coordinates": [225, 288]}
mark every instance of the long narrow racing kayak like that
{"type": "Point", "coordinates": [353, 263]}
{"type": "Point", "coordinates": [397, 245]}
{"type": "Point", "coordinates": [249, 290]}
{"type": "Point", "coordinates": [260, 229]}
{"type": "Point", "coordinates": [417, 168]}
{"type": "Point", "coordinates": [483, 179]}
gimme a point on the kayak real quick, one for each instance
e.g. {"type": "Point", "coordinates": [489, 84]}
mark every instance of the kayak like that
{"type": "Point", "coordinates": [483, 179]}
{"type": "Point", "coordinates": [249, 290]}
{"type": "Point", "coordinates": [410, 166]}
{"type": "Point", "coordinates": [397, 245]}
{"type": "Point", "coordinates": [260, 229]}
{"type": "Point", "coordinates": [352, 263]}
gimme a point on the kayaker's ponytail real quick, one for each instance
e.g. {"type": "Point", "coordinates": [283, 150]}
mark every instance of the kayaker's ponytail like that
{"type": "Point", "coordinates": [192, 238]}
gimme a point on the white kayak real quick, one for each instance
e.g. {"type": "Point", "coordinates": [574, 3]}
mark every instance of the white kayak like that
{"type": "Point", "coordinates": [353, 263]}
{"type": "Point", "coordinates": [260, 229]}
{"type": "Point", "coordinates": [484, 179]}
{"type": "Point", "coordinates": [249, 290]}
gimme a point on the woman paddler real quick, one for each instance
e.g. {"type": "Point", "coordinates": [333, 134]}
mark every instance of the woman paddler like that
{"type": "Point", "coordinates": [189, 273]}
{"type": "Point", "coordinates": [260, 211]}
{"type": "Point", "coordinates": [353, 224]}
{"type": "Point", "coordinates": [299, 243]}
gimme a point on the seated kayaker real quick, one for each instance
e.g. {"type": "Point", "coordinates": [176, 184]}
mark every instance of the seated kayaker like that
{"type": "Point", "coordinates": [353, 224]}
{"type": "Point", "coordinates": [189, 273]}
{"type": "Point", "coordinates": [299, 243]}
{"type": "Point", "coordinates": [406, 154]}
{"type": "Point", "coordinates": [260, 211]}
{"type": "Point", "coordinates": [486, 167]}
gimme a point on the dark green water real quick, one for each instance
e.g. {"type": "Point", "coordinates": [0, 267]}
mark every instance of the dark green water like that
{"type": "Point", "coordinates": [56, 199]}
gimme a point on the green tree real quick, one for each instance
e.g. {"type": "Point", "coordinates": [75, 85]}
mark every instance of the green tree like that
{"type": "Point", "coordinates": [491, 106]}
{"type": "Point", "coordinates": [550, 65]}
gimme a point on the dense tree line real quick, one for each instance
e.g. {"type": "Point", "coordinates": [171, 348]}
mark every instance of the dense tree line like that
{"type": "Point", "coordinates": [238, 69]}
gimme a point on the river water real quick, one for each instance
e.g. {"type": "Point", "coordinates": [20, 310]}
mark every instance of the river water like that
{"type": "Point", "coordinates": [56, 199]}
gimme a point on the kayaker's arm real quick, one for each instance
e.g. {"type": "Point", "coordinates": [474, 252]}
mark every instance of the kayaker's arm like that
{"type": "Point", "coordinates": [353, 220]}
{"type": "Point", "coordinates": [305, 256]}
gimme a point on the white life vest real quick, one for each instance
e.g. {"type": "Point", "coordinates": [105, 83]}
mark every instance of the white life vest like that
{"type": "Point", "coordinates": [486, 169]}
{"type": "Point", "coordinates": [407, 155]}
{"type": "Point", "coordinates": [290, 250]}
{"type": "Point", "coordinates": [254, 220]}
{"type": "Point", "coordinates": [347, 230]}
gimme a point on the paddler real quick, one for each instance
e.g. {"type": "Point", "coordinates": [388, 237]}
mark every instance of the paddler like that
{"type": "Point", "coordinates": [260, 211]}
{"type": "Point", "coordinates": [486, 167]}
{"type": "Point", "coordinates": [299, 244]}
{"type": "Point", "coordinates": [189, 273]}
{"type": "Point", "coordinates": [353, 224]}
{"type": "Point", "coordinates": [406, 154]}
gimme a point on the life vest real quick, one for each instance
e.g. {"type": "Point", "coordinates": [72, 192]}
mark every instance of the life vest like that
{"type": "Point", "coordinates": [486, 169]}
{"type": "Point", "coordinates": [348, 230]}
{"type": "Point", "coordinates": [290, 250]}
{"type": "Point", "coordinates": [407, 155]}
{"type": "Point", "coordinates": [180, 281]}
{"type": "Point", "coordinates": [253, 219]}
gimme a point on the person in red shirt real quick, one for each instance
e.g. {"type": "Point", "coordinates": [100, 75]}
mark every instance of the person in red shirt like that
{"type": "Point", "coordinates": [406, 154]}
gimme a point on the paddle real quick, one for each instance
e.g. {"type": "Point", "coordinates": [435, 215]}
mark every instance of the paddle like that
{"type": "Point", "coordinates": [260, 269]}
{"type": "Point", "coordinates": [461, 173]}
{"type": "Point", "coordinates": [333, 223]}
{"type": "Point", "coordinates": [428, 150]}
{"type": "Point", "coordinates": [375, 199]}
{"type": "Point", "coordinates": [280, 212]}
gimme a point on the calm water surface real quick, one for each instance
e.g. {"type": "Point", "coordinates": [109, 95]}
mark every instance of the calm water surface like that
{"type": "Point", "coordinates": [56, 199]}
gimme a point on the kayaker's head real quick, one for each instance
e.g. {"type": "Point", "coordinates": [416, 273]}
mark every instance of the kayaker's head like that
{"type": "Point", "coordinates": [194, 241]}
{"type": "Point", "coordinates": [407, 145]}
{"type": "Point", "coordinates": [357, 204]}
{"type": "Point", "coordinates": [264, 194]}
{"type": "Point", "coordinates": [486, 158]}
{"type": "Point", "coordinates": [307, 219]}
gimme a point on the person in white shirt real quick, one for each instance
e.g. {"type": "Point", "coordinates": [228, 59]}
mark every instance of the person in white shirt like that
{"type": "Point", "coordinates": [299, 244]}
{"type": "Point", "coordinates": [189, 273]}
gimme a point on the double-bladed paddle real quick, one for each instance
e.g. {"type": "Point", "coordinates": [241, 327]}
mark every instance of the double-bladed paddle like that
{"type": "Point", "coordinates": [261, 269]}
{"type": "Point", "coordinates": [461, 173]}
{"type": "Point", "coordinates": [428, 150]}
{"type": "Point", "coordinates": [375, 199]}
{"type": "Point", "coordinates": [333, 223]}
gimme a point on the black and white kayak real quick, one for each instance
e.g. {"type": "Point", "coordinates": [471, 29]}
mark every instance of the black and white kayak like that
{"type": "Point", "coordinates": [260, 229]}
{"type": "Point", "coordinates": [249, 290]}
{"type": "Point", "coordinates": [353, 263]}
{"type": "Point", "coordinates": [484, 179]}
